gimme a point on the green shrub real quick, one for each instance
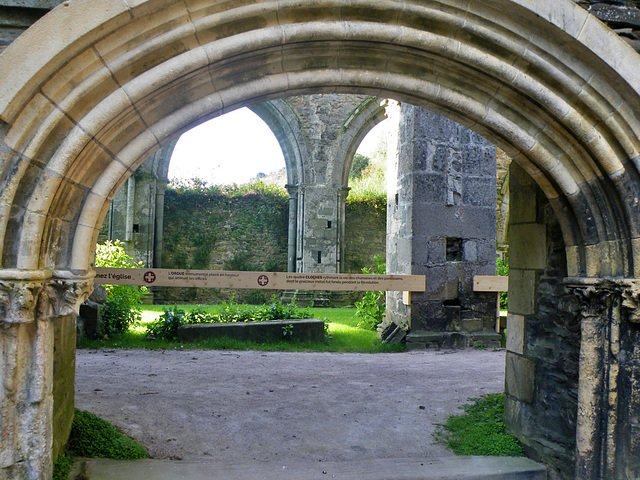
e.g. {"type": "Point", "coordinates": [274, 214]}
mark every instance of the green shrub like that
{"type": "Point", "coordinates": [371, 309]}
{"type": "Point", "coordinates": [502, 269]}
{"type": "Point", "coordinates": [480, 430]}
{"type": "Point", "coordinates": [166, 326]}
{"type": "Point", "coordinates": [123, 301]}
{"type": "Point", "coordinates": [91, 436]}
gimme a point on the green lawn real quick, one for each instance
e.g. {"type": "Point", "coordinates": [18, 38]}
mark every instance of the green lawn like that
{"type": "Point", "coordinates": [344, 335]}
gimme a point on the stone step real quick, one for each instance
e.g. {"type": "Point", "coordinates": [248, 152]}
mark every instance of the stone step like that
{"type": "Point", "coordinates": [452, 340]}
{"type": "Point", "coordinates": [447, 468]}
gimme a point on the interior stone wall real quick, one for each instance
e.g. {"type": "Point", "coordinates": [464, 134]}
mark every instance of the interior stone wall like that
{"type": "Point", "coordinates": [543, 341]}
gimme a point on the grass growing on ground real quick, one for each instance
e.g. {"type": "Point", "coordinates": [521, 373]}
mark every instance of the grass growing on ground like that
{"type": "Point", "coordinates": [344, 335]}
{"type": "Point", "coordinates": [480, 430]}
{"type": "Point", "coordinates": [92, 437]}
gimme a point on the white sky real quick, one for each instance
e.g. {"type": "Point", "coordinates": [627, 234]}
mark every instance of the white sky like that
{"type": "Point", "coordinates": [234, 148]}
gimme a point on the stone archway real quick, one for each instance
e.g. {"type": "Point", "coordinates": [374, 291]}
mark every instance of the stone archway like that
{"type": "Point", "coordinates": [80, 112]}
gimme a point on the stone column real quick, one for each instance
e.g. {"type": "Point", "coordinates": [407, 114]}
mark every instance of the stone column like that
{"type": "Point", "coordinates": [599, 311]}
{"type": "Point", "coordinates": [293, 228]}
{"type": "Point", "coordinates": [158, 237]}
{"type": "Point", "coordinates": [30, 303]}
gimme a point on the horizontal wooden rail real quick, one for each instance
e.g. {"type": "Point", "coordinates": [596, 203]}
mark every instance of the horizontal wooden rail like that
{"type": "Point", "coordinates": [490, 283]}
{"type": "Point", "coordinates": [161, 277]}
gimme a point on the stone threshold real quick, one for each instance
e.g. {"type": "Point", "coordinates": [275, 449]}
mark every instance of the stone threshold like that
{"type": "Point", "coordinates": [446, 468]}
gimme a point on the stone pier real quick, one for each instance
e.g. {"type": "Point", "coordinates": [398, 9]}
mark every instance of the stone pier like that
{"type": "Point", "coordinates": [441, 222]}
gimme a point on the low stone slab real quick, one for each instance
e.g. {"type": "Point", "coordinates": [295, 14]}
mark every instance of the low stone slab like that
{"type": "Point", "coordinates": [307, 329]}
{"type": "Point", "coordinates": [449, 468]}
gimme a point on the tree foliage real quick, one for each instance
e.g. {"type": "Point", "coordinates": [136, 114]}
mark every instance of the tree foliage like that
{"type": "Point", "coordinates": [123, 301]}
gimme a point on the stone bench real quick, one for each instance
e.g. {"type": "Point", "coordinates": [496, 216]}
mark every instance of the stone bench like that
{"type": "Point", "coordinates": [307, 329]}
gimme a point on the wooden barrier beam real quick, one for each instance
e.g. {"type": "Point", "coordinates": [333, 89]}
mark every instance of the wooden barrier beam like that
{"type": "Point", "coordinates": [160, 277]}
{"type": "Point", "coordinates": [490, 283]}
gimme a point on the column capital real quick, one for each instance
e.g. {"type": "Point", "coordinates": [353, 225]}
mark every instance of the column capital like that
{"type": "Point", "coordinates": [593, 294]}
{"type": "Point", "coordinates": [27, 296]}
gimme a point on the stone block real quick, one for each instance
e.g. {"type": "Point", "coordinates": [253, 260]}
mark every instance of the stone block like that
{"type": "Point", "coordinates": [455, 221]}
{"type": "Point", "coordinates": [522, 291]}
{"type": "Point", "coordinates": [479, 191]}
{"type": "Point", "coordinates": [429, 188]}
{"type": "Point", "coordinates": [437, 250]}
{"type": "Point", "coordinates": [515, 333]}
{"type": "Point", "coordinates": [520, 377]}
{"type": "Point", "coordinates": [528, 246]}
{"type": "Point", "coordinates": [479, 159]}
{"type": "Point", "coordinates": [470, 251]}
{"type": "Point", "coordinates": [304, 330]}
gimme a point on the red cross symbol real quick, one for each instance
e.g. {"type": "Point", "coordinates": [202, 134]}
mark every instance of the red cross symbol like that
{"type": "Point", "coordinates": [149, 277]}
{"type": "Point", "coordinates": [263, 280]}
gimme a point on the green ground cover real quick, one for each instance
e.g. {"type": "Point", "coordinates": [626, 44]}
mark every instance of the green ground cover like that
{"type": "Point", "coordinates": [93, 437]}
{"type": "Point", "coordinates": [343, 335]}
{"type": "Point", "coordinates": [480, 430]}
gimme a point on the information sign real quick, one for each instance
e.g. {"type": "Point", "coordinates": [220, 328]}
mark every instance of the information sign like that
{"type": "Point", "coordinates": [160, 277]}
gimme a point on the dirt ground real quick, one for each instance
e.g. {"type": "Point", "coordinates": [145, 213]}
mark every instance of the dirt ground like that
{"type": "Point", "coordinates": [245, 406]}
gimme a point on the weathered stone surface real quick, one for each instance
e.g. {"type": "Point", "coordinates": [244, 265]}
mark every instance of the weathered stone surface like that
{"type": "Point", "coordinates": [444, 223]}
{"type": "Point", "coordinates": [520, 377]}
{"type": "Point", "coordinates": [529, 246]}
{"type": "Point", "coordinates": [572, 134]}
{"type": "Point", "coordinates": [515, 333]}
{"type": "Point", "coordinates": [522, 291]}
{"type": "Point", "coordinates": [305, 330]}
{"type": "Point", "coordinates": [64, 367]}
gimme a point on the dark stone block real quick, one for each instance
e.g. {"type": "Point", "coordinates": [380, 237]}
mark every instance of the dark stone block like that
{"type": "Point", "coordinates": [479, 191]}
{"type": "Point", "coordinates": [302, 330]}
{"type": "Point", "coordinates": [430, 188]}
{"type": "Point", "coordinates": [89, 320]}
{"type": "Point", "coordinates": [99, 295]}
{"type": "Point", "coordinates": [479, 160]}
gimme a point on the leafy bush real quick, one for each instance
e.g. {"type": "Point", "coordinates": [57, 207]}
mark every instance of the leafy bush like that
{"type": "Point", "coordinates": [502, 269]}
{"type": "Point", "coordinates": [480, 430]}
{"type": "Point", "coordinates": [372, 307]}
{"type": "Point", "coordinates": [166, 327]}
{"type": "Point", "coordinates": [91, 436]}
{"type": "Point", "coordinates": [123, 301]}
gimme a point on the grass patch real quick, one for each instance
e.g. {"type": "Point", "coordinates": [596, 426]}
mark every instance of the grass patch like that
{"type": "Point", "coordinates": [62, 467]}
{"type": "Point", "coordinates": [91, 437]}
{"type": "Point", "coordinates": [344, 335]}
{"type": "Point", "coordinates": [480, 430]}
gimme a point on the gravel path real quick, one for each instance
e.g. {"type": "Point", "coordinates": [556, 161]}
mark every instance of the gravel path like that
{"type": "Point", "coordinates": [244, 406]}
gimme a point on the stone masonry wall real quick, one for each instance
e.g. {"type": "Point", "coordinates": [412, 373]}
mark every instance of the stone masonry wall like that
{"type": "Point", "coordinates": [543, 332]}
{"type": "Point", "coordinates": [249, 233]}
{"type": "Point", "coordinates": [442, 223]}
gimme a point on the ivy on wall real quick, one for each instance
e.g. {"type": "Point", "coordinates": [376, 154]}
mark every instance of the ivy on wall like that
{"type": "Point", "coordinates": [246, 228]}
